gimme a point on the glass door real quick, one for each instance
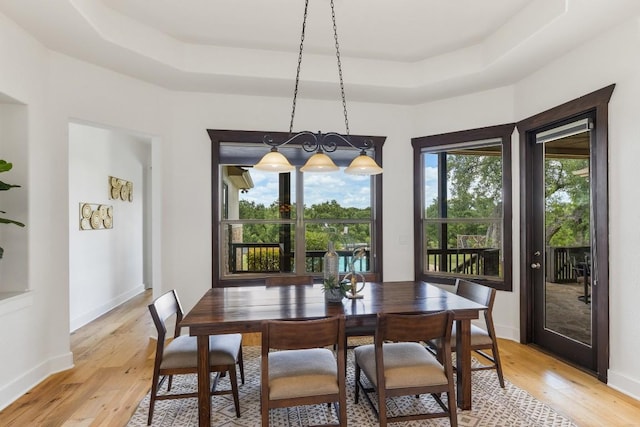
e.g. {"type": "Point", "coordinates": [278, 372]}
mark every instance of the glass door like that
{"type": "Point", "coordinates": [563, 241]}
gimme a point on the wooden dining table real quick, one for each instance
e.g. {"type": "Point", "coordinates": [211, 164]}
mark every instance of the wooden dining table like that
{"type": "Point", "coordinates": [241, 309]}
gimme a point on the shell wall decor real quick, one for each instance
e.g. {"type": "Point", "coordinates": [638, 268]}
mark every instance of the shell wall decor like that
{"type": "Point", "coordinates": [95, 216]}
{"type": "Point", "coordinates": [120, 189]}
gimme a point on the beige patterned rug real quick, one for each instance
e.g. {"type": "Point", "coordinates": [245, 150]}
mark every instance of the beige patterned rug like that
{"type": "Point", "coordinates": [492, 405]}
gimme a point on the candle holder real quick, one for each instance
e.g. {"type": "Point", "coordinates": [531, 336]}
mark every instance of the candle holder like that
{"type": "Point", "coordinates": [354, 285]}
{"type": "Point", "coordinates": [352, 277]}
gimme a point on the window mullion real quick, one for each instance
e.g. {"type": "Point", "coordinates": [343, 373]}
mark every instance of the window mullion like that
{"type": "Point", "coordinates": [284, 194]}
{"type": "Point", "coordinates": [442, 207]}
{"type": "Point", "coordinates": [300, 244]}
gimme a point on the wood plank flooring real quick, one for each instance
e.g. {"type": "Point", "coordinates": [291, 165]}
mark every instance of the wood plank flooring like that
{"type": "Point", "coordinates": [113, 359]}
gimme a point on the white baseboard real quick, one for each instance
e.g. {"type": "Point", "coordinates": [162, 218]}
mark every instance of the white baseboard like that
{"type": "Point", "coordinates": [508, 332]}
{"type": "Point", "coordinates": [623, 383]}
{"type": "Point", "coordinates": [12, 391]}
{"type": "Point", "coordinates": [93, 314]}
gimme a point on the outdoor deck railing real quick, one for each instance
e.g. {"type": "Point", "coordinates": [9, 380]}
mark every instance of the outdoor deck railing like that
{"type": "Point", "coordinates": [467, 261]}
{"type": "Point", "coordinates": [561, 262]}
{"type": "Point", "coordinates": [265, 258]}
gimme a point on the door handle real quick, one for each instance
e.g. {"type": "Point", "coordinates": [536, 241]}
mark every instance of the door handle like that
{"type": "Point", "coordinates": [535, 265]}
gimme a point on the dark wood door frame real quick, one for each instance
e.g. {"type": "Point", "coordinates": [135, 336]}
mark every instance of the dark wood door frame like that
{"type": "Point", "coordinates": [594, 102]}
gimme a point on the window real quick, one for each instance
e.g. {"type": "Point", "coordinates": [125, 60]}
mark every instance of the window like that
{"type": "Point", "coordinates": [463, 206]}
{"type": "Point", "coordinates": [280, 224]}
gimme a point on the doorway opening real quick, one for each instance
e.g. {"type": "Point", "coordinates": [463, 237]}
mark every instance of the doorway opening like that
{"type": "Point", "coordinates": [110, 224]}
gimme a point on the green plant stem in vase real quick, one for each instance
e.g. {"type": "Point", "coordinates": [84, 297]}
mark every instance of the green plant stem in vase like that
{"type": "Point", "coordinates": [334, 291]}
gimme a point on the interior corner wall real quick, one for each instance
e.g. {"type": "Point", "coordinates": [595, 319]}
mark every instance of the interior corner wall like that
{"type": "Point", "coordinates": [105, 265]}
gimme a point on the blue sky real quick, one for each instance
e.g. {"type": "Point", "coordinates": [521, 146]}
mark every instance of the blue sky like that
{"type": "Point", "coordinates": [430, 177]}
{"type": "Point", "coordinates": [347, 190]}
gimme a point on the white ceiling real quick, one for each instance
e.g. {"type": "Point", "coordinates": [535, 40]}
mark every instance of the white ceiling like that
{"type": "Point", "coordinates": [393, 51]}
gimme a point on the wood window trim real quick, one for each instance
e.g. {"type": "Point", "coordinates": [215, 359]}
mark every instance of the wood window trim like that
{"type": "Point", "coordinates": [218, 136]}
{"type": "Point", "coordinates": [503, 132]}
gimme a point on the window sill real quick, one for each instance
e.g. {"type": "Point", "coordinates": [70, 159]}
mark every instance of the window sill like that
{"type": "Point", "coordinates": [14, 301]}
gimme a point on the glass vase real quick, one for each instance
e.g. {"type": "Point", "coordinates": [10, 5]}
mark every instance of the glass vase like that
{"type": "Point", "coordinates": [330, 267]}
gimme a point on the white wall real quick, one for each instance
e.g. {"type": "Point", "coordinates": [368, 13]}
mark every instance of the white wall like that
{"type": "Point", "coordinates": [57, 89]}
{"type": "Point", "coordinates": [105, 265]}
{"type": "Point", "coordinates": [36, 341]}
{"type": "Point", "coordinates": [13, 149]}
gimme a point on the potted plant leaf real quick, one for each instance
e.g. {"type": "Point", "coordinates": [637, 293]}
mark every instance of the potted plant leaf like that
{"type": "Point", "coordinates": [334, 290]}
{"type": "Point", "coordinates": [4, 167]}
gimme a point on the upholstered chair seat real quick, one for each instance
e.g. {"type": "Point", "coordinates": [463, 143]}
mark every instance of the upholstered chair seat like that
{"type": "Point", "coordinates": [299, 373]}
{"type": "Point", "coordinates": [406, 365]}
{"type": "Point", "coordinates": [182, 352]}
{"type": "Point", "coordinates": [479, 337]}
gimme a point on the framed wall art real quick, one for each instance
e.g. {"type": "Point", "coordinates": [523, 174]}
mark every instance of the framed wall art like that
{"type": "Point", "coordinates": [95, 216]}
{"type": "Point", "coordinates": [120, 189]}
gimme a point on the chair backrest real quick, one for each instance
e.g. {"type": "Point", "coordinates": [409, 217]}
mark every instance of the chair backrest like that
{"type": "Point", "coordinates": [288, 280]}
{"type": "Point", "coordinates": [414, 327]}
{"type": "Point", "coordinates": [161, 309]}
{"type": "Point", "coordinates": [482, 295]}
{"type": "Point", "coordinates": [476, 292]}
{"type": "Point", "coordinates": [301, 334]}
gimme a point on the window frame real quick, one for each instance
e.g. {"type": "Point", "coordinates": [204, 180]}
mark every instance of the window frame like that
{"type": "Point", "coordinates": [420, 144]}
{"type": "Point", "coordinates": [218, 137]}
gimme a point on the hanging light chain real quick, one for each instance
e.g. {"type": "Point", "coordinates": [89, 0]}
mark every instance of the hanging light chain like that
{"type": "Point", "coordinates": [295, 91]}
{"type": "Point", "coordinates": [344, 99]}
{"type": "Point", "coordinates": [339, 62]}
{"type": "Point", "coordinates": [319, 143]}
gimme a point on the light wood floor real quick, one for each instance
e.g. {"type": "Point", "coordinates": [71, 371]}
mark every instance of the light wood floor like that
{"type": "Point", "coordinates": [114, 359]}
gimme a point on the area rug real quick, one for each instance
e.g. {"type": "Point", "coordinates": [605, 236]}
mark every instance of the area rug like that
{"type": "Point", "coordinates": [492, 405]}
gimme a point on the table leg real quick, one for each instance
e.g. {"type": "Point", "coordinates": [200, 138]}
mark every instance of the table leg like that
{"type": "Point", "coordinates": [463, 363]}
{"type": "Point", "coordinates": [204, 400]}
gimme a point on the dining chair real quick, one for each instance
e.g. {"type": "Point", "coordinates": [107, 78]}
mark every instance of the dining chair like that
{"type": "Point", "coordinates": [180, 355]}
{"type": "Point", "coordinates": [397, 364]}
{"type": "Point", "coordinates": [481, 339]}
{"type": "Point", "coordinates": [299, 368]}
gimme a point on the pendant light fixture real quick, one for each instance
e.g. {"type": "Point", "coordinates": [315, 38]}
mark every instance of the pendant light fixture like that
{"type": "Point", "coordinates": [321, 143]}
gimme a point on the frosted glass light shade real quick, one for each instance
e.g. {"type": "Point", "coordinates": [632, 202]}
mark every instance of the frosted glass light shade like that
{"type": "Point", "coordinates": [363, 165]}
{"type": "Point", "coordinates": [319, 162]}
{"type": "Point", "coordinates": [274, 161]}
